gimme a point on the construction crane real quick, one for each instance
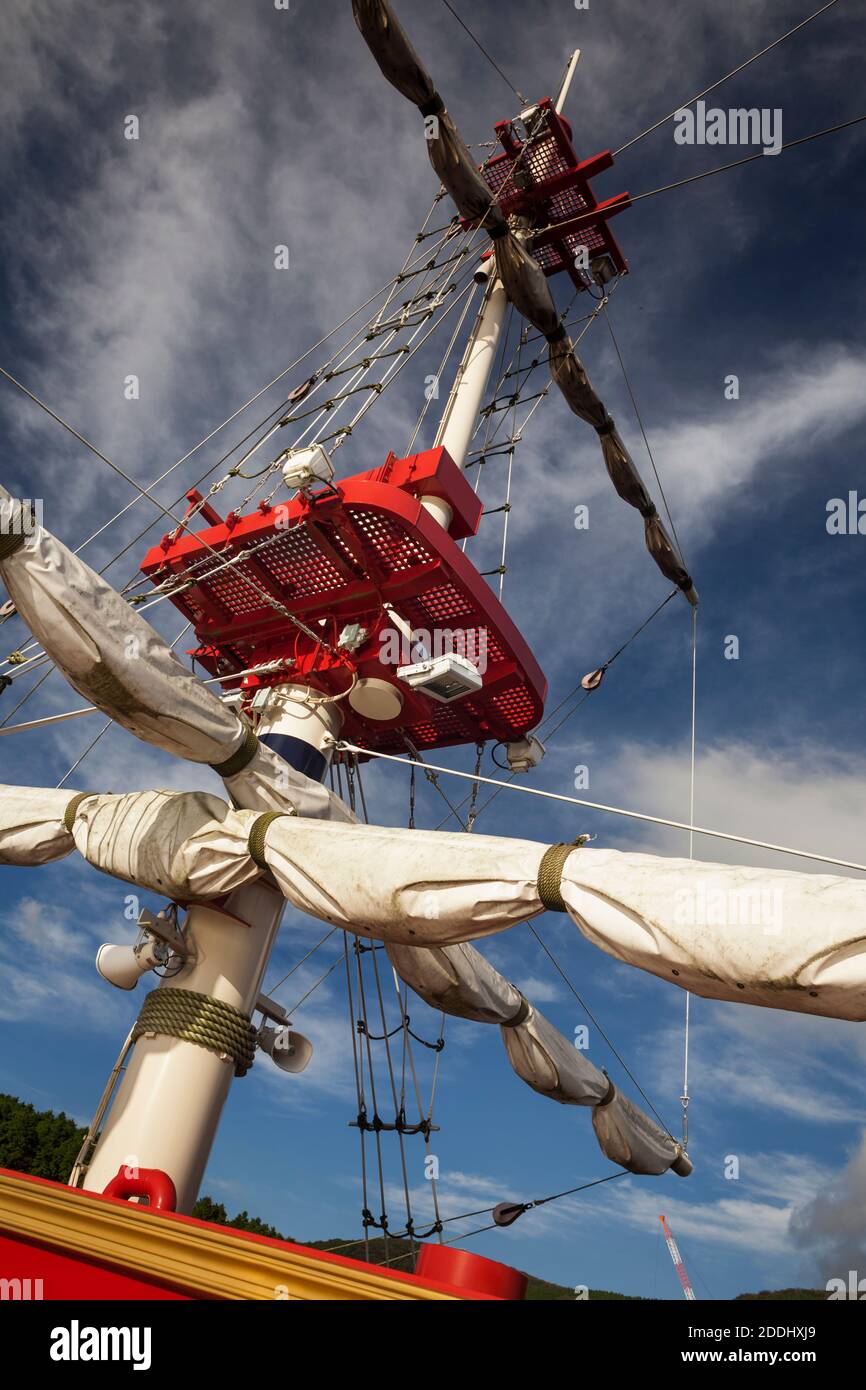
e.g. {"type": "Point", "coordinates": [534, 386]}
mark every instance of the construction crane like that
{"type": "Point", "coordinates": [673, 1250]}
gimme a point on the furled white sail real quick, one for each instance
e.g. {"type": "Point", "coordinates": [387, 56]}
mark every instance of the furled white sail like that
{"type": "Point", "coordinates": [32, 831]}
{"type": "Point", "coordinates": [190, 846]}
{"type": "Point", "coordinates": [755, 936]}
{"type": "Point", "coordinates": [460, 981]}
{"type": "Point", "coordinates": [118, 662]}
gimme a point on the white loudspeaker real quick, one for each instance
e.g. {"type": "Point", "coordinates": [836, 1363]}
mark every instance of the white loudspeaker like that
{"type": "Point", "coordinates": [289, 1050]}
{"type": "Point", "coordinates": [123, 966]}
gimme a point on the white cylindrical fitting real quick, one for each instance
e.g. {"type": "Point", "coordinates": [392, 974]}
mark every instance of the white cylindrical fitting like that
{"type": "Point", "coordinates": [301, 727]}
{"type": "Point", "coordinates": [438, 508]}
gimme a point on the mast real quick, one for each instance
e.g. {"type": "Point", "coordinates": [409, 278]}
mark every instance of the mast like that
{"type": "Point", "coordinates": [168, 1106]}
{"type": "Point", "coordinates": [460, 415]}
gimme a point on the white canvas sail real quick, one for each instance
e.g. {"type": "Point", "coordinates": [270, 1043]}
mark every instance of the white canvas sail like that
{"type": "Point", "coordinates": [695, 924]}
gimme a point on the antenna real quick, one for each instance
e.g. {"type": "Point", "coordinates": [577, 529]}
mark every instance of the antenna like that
{"type": "Point", "coordinates": [673, 1249]}
{"type": "Point", "coordinates": [566, 82]}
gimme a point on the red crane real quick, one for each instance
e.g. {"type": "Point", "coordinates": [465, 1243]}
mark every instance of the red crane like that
{"type": "Point", "coordinates": [673, 1249]}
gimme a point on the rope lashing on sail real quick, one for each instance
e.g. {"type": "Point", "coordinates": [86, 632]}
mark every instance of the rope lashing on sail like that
{"type": "Point", "coordinates": [521, 1016]}
{"type": "Point", "coordinates": [256, 841]}
{"type": "Point", "coordinates": [550, 874]}
{"type": "Point", "coordinates": [199, 1019]}
{"type": "Point", "coordinates": [523, 278]}
{"type": "Point", "coordinates": [72, 809]}
{"type": "Point", "coordinates": [241, 758]}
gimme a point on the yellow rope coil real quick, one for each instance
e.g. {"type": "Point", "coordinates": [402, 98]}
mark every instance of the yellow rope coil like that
{"type": "Point", "coordinates": [550, 876]}
{"type": "Point", "coordinates": [199, 1019]}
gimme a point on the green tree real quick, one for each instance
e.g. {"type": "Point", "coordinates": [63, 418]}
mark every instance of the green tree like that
{"type": "Point", "coordinates": [206, 1209]}
{"type": "Point", "coordinates": [37, 1141]}
{"type": "Point", "coordinates": [244, 1222]}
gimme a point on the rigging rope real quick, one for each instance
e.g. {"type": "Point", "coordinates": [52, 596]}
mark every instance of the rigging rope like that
{"type": "Point", "coordinates": [732, 73]}
{"type": "Point", "coordinates": [718, 169]}
{"type": "Point", "coordinates": [630, 1074]}
{"type": "Point", "coordinates": [321, 980]}
{"type": "Point", "coordinates": [359, 1086]}
{"type": "Point", "coordinates": [360, 1029]}
{"type": "Point", "coordinates": [641, 426]}
{"type": "Point", "coordinates": [612, 810]}
{"type": "Point", "coordinates": [491, 61]}
{"type": "Point", "coordinates": [271, 990]}
{"type": "Point", "coordinates": [520, 1208]}
{"type": "Point", "coordinates": [684, 1098]}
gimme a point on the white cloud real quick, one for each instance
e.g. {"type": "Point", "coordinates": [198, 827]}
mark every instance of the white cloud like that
{"type": "Point", "coordinates": [830, 1220]}
{"type": "Point", "coordinates": [47, 950]}
{"type": "Point", "coordinates": [811, 796]}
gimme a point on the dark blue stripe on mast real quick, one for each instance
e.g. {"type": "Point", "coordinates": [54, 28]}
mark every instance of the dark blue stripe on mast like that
{"type": "Point", "coordinates": [298, 754]}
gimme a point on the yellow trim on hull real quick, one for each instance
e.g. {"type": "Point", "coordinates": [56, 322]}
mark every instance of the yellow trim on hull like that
{"type": "Point", "coordinates": [206, 1261]}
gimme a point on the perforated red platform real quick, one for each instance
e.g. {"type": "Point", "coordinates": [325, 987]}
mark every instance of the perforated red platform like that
{"type": "Point", "coordinates": [337, 557]}
{"type": "Point", "coordinates": [550, 185]}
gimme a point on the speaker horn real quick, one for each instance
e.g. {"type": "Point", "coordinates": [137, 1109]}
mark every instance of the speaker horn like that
{"type": "Point", "coordinates": [289, 1051]}
{"type": "Point", "coordinates": [123, 966]}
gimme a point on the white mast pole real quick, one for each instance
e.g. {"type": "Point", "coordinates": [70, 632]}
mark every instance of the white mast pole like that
{"type": "Point", "coordinates": [460, 415]}
{"type": "Point", "coordinates": [573, 61]}
{"type": "Point", "coordinates": [464, 401]}
{"type": "Point", "coordinates": [168, 1106]}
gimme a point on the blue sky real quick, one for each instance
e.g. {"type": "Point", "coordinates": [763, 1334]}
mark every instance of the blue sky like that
{"type": "Point", "coordinates": [155, 257]}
